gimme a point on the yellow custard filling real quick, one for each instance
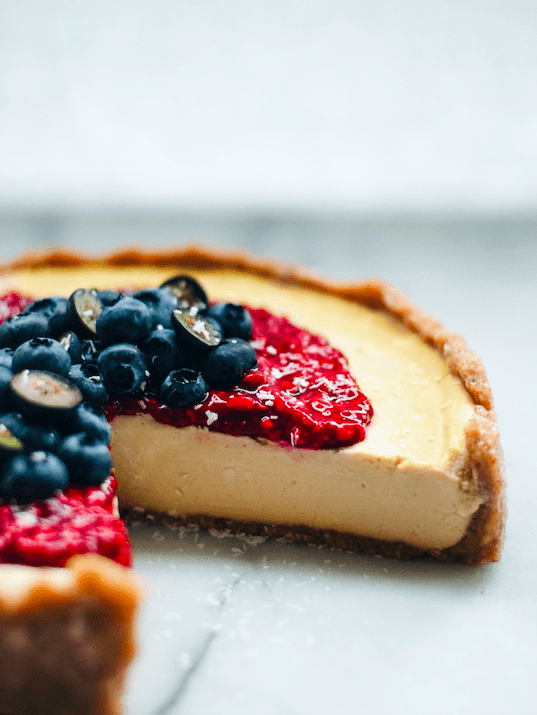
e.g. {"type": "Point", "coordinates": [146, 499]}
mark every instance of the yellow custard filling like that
{"type": "Point", "coordinates": [406, 481]}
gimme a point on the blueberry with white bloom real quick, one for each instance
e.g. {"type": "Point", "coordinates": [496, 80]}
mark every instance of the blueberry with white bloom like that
{"type": "Point", "coordinates": [226, 365]}
{"type": "Point", "coordinates": [38, 475]}
{"type": "Point", "coordinates": [42, 354]}
{"type": "Point", "coordinates": [123, 367]}
{"type": "Point", "coordinates": [87, 458]}
{"type": "Point", "coordinates": [87, 419]}
{"type": "Point", "coordinates": [20, 328]}
{"type": "Point", "coordinates": [160, 303]}
{"type": "Point", "coordinates": [55, 309]}
{"type": "Point", "coordinates": [109, 297]}
{"type": "Point", "coordinates": [182, 388]}
{"type": "Point", "coordinates": [162, 352]}
{"type": "Point", "coordinates": [235, 320]}
{"type": "Point", "coordinates": [128, 320]}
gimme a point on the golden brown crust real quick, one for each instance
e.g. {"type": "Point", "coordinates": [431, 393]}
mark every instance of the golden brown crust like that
{"type": "Point", "coordinates": [484, 538]}
{"type": "Point", "coordinates": [66, 639]}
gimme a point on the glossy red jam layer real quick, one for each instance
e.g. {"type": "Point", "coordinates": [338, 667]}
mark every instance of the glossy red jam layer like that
{"type": "Point", "coordinates": [11, 304]}
{"type": "Point", "coordinates": [77, 521]}
{"type": "Point", "coordinates": [302, 394]}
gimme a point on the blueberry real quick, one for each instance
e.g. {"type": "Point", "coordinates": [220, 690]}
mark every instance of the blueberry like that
{"type": "Point", "coordinates": [182, 388]}
{"type": "Point", "coordinates": [109, 297]}
{"type": "Point", "coordinates": [123, 367]}
{"type": "Point", "coordinates": [160, 303]}
{"type": "Point", "coordinates": [10, 445]}
{"type": "Point", "coordinates": [38, 475]}
{"type": "Point", "coordinates": [20, 328]}
{"type": "Point", "coordinates": [44, 396]}
{"type": "Point", "coordinates": [235, 320]}
{"type": "Point", "coordinates": [42, 354]}
{"type": "Point", "coordinates": [15, 423]}
{"type": "Point", "coordinates": [71, 342]}
{"type": "Point", "coordinates": [87, 458]}
{"type": "Point", "coordinates": [39, 437]}
{"type": "Point", "coordinates": [55, 309]}
{"type": "Point", "coordinates": [84, 309]}
{"type": "Point", "coordinates": [48, 306]}
{"type": "Point", "coordinates": [128, 320]}
{"type": "Point", "coordinates": [90, 382]}
{"type": "Point", "coordinates": [226, 365]}
{"type": "Point", "coordinates": [193, 329]}
{"type": "Point", "coordinates": [6, 357]}
{"type": "Point", "coordinates": [87, 419]}
{"type": "Point", "coordinates": [6, 396]}
{"type": "Point", "coordinates": [90, 351]}
{"type": "Point", "coordinates": [162, 352]}
{"type": "Point", "coordinates": [34, 436]}
{"type": "Point", "coordinates": [188, 292]}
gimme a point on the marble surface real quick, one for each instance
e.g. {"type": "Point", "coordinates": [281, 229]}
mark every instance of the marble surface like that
{"type": "Point", "coordinates": [238, 627]}
{"type": "Point", "coordinates": [273, 628]}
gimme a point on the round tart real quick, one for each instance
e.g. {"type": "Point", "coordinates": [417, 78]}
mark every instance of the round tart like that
{"type": "Point", "coordinates": [427, 477]}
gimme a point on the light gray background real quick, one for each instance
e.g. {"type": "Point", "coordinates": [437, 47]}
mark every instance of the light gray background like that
{"type": "Point", "coordinates": [361, 105]}
{"type": "Point", "coordinates": [360, 138]}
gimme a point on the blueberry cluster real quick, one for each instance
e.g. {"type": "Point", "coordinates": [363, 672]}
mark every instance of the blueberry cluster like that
{"type": "Point", "coordinates": [61, 359]}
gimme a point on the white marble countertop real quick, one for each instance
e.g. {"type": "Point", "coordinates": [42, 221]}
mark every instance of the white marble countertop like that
{"type": "Point", "coordinates": [271, 628]}
{"type": "Point", "coordinates": [234, 627]}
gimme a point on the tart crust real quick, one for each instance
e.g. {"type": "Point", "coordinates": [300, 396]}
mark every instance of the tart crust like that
{"type": "Point", "coordinates": [66, 637]}
{"type": "Point", "coordinates": [483, 540]}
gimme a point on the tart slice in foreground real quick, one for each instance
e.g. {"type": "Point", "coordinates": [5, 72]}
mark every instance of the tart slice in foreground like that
{"type": "Point", "coordinates": [66, 637]}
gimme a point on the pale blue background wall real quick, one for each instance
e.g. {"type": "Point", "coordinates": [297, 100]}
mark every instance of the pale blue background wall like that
{"type": "Point", "coordinates": [367, 106]}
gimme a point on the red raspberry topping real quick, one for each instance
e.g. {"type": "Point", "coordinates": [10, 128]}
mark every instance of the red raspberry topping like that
{"type": "Point", "coordinates": [77, 521]}
{"type": "Point", "coordinates": [11, 304]}
{"type": "Point", "coordinates": [302, 394]}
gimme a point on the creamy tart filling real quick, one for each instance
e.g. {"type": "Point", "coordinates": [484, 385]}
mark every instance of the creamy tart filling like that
{"type": "Point", "coordinates": [407, 481]}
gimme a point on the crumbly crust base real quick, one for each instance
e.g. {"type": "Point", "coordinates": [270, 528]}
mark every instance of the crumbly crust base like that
{"type": "Point", "coordinates": [66, 643]}
{"type": "Point", "coordinates": [484, 538]}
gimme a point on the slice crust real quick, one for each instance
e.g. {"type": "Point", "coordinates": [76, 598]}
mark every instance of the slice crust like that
{"type": "Point", "coordinates": [66, 637]}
